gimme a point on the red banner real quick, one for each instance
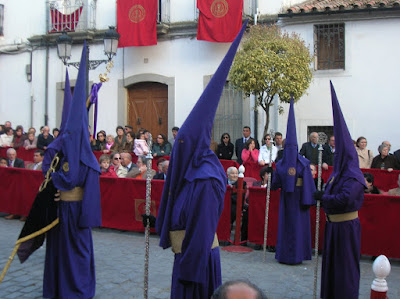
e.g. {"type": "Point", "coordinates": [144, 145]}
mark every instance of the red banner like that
{"type": "Point", "coordinates": [61, 22]}
{"type": "Point", "coordinates": [137, 22]}
{"type": "Point", "coordinates": [123, 201]}
{"type": "Point", "coordinates": [224, 223]}
{"type": "Point", "coordinates": [219, 20]}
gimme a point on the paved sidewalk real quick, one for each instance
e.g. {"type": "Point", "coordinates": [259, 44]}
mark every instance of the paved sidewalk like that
{"type": "Point", "coordinates": [120, 262]}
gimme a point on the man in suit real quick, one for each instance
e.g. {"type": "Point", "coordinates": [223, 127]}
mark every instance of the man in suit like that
{"type": "Point", "coordinates": [38, 156]}
{"type": "Point", "coordinates": [126, 161]}
{"type": "Point", "coordinates": [45, 138]}
{"type": "Point", "coordinates": [309, 150]}
{"type": "Point", "coordinates": [327, 154]}
{"type": "Point", "coordinates": [162, 175]}
{"type": "Point", "coordinates": [239, 144]}
{"type": "Point", "coordinates": [12, 160]}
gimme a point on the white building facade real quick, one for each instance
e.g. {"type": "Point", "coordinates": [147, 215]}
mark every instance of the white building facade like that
{"type": "Point", "coordinates": [173, 73]}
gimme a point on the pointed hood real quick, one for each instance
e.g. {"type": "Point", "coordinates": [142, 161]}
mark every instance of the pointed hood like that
{"type": "Point", "coordinates": [75, 139]}
{"type": "Point", "coordinates": [55, 146]}
{"type": "Point", "coordinates": [345, 163]}
{"type": "Point", "coordinates": [290, 152]}
{"type": "Point", "coordinates": [67, 102]}
{"type": "Point", "coordinates": [191, 157]}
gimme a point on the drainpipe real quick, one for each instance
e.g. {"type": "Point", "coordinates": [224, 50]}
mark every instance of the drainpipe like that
{"type": "Point", "coordinates": [30, 63]}
{"type": "Point", "coordinates": [46, 89]}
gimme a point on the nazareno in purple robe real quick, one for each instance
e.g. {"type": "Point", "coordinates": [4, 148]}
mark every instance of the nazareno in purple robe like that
{"type": "Point", "coordinates": [69, 266]}
{"type": "Point", "coordinates": [340, 276]}
{"type": "Point", "coordinates": [194, 192]}
{"type": "Point", "coordinates": [294, 228]}
{"type": "Point", "coordinates": [197, 210]}
{"type": "Point", "coordinates": [344, 193]}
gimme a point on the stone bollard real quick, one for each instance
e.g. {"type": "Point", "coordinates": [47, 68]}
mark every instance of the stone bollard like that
{"type": "Point", "coordinates": [381, 268]}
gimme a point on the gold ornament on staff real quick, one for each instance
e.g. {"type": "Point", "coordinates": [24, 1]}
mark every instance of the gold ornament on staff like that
{"type": "Point", "coordinates": [103, 77]}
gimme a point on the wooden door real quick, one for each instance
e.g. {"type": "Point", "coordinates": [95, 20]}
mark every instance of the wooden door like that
{"type": "Point", "coordinates": [148, 107]}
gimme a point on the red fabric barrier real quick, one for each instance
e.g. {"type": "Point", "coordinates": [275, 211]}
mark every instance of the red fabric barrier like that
{"type": "Point", "coordinates": [123, 201]}
{"type": "Point", "coordinates": [380, 226]}
{"type": "Point", "coordinates": [18, 189]}
{"type": "Point", "coordinates": [383, 179]}
{"type": "Point", "coordinates": [228, 163]}
{"type": "Point", "coordinates": [257, 200]}
{"type": "Point", "coordinates": [224, 224]}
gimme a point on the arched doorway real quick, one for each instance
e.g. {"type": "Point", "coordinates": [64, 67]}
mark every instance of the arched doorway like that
{"type": "Point", "coordinates": [148, 107]}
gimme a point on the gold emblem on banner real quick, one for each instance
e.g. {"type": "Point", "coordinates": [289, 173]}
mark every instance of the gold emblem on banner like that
{"type": "Point", "coordinates": [292, 171]}
{"type": "Point", "coordinates": [137, 13]}
{"type": "Point", "coordinates": [140, 208]}
{"type": "Point", "coordinates": [219, 8]}
{"type": "Point", "coordinates": [66, 167]}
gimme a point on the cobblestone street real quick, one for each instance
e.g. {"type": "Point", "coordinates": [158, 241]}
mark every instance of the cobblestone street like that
{"type": "Point", "coordinates": [120, 263]}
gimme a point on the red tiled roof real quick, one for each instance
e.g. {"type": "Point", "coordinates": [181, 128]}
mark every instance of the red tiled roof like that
{"type": "Point", "coordinates": [312, 6]}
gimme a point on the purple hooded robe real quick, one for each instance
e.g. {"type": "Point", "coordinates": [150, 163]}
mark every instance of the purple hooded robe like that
{"type": "Point", "coordinates": [294, 177]}
{"type": "Point", "coordinates": [194, 192]}
{"type": "Point", "coordinates": [69, 265]}
{"type": "Point", "coordinates": [344, 192]}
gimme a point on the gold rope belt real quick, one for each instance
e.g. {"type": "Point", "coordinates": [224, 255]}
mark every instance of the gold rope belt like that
{"type": "Point", "coordinates": [177, 237]}
{"type": "Point", "coordinates": [342, 217]}
{"type": "Point", "coordinates": [75, 194]}
{"type": "Point", "coordinates": [299, 182]}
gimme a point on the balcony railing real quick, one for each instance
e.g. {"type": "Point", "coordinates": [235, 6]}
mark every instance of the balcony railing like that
{"type": "Point", "coordinates": [70, 15]}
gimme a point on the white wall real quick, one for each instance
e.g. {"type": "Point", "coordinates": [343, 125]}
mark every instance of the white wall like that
{"type": "Point", "coordinates": [367, 89]}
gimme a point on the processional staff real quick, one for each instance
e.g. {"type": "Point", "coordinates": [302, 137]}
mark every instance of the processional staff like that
{"type": "Point", "coordinates": [322, 138]}
{"type": "Point", "coordinates": [147, 228]}
{"type": "Point", "coordinates": [267, 201]}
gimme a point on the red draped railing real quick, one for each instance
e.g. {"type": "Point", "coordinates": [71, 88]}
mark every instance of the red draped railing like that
{"type": "Point", "coordinates": [123, 201]}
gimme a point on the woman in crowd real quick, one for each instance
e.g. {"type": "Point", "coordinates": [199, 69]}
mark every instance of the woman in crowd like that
{"type": "Point", "coordinates": [99, 144]}
{"type": "Point", "coordinates": [369, 181]}
{"type": "Point", "coordinates": [56, 132]}
{"type": "Point", "coordinates": [265, 151]}
{"type": "Point", "coordinates": [264, 178]}
{"type": "Point", "coordinates": [161, 147]}
{"type": "Point", "coordinates": [120, 139]}
{"type": "Point", "coordinates": [30, 142]}
{"type": "Point", "coordinates": [116, 166]}
{"type": "Point", "coordinates": [128, 146]}
{"type": "Point", "coordinates": [7, 138]}
{"type": "Point", "coordinates": [250, 158]}
{"type": "Point", "coordinates": [109, 146]}
{"type": "Point", "coordinates": [225, 148]}
{"type": "Point", "coordinates": [384, 160]}
{"type": "Point", "coordinates": [365, 156]}
{"type": "Point", "coordinates": [19, 137]}
{"type": "Point", "coordinates": [140, 146]}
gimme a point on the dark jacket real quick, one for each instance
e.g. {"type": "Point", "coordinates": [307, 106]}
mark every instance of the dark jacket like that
{"type": "Point", "coordinates": [18, 163]}
{"type": "Point", "coordinates": [389, 161]}
{"type": "Point", "coordinates": [225, 152]}
{"type": "Point", "coordinates": [309, 152]}
{"type": "Point", "coordinates": [44, 142]}
{"type": "Point", "coordinates": [327, 155]}
{"type": "Point", "coordinates": [159, 176]}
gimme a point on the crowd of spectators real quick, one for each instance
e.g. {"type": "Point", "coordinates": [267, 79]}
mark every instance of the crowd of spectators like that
{"type": "Point", "coordinates": [246, 148]}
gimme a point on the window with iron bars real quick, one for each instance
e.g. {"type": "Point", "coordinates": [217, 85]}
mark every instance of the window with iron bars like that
{"type": "Point", "coordinates": [329, 46]}
{"type": "Point", "coordinates": [228, 118]}
{"type": "Point", "coordinates": [1, 19]}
